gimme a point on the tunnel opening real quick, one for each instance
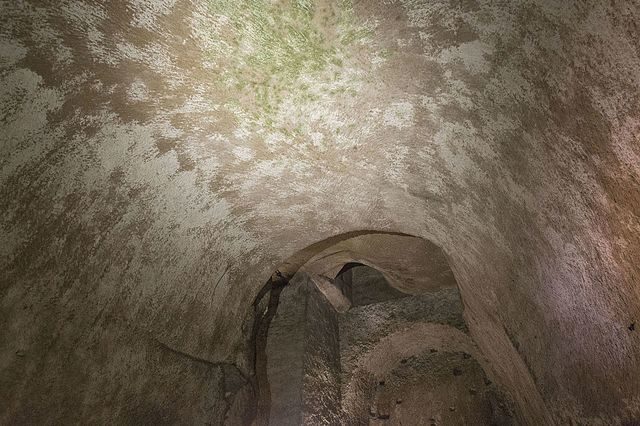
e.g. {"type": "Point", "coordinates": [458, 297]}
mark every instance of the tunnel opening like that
{"type": "Point", "coordinates": [370, 330]}
{"type": "Point", "coordinates": [365, 285]}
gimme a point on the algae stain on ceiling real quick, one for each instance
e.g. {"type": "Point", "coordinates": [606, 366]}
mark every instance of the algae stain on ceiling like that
{"type": "Point", "coordinates": [286, 62]}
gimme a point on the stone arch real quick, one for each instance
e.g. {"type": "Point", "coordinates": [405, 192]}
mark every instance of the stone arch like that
{"type": "Point", "coordinates": [374, 365]}
{"type": "Point", "coordinates": [410, 264]}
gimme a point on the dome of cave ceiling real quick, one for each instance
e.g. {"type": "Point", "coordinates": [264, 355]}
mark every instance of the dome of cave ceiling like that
{"type": "Point", "coordinates": [160, 159]}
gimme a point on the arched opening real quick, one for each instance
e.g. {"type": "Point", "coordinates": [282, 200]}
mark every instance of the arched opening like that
{"type": "Point", "coordinates": [365, 285]}
{"type": "Point", "coordinates": [370, 330]}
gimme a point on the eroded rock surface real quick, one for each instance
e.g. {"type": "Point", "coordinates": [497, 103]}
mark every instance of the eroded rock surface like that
{"type": "Point", "coordinates": [303, 359]}
{"type": "Point", "coordinates": [159, 159]}
{"type": "Point", "coordinates": [439, 388]}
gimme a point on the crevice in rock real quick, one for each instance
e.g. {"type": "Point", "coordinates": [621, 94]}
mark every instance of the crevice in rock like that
{"type": "Point", "coordinates": [233, 383]}
{"type": "Point", "coordinates": [265, 308]}
{"type": "Point", "coordinates": [184, 354]}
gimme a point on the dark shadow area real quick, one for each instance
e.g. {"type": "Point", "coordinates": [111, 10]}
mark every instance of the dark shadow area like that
{"type": "Point", "coordinates": [364, 285]}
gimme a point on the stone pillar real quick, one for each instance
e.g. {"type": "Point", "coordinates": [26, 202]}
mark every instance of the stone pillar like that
{"type": "Point", "coordinates": [303, 364]}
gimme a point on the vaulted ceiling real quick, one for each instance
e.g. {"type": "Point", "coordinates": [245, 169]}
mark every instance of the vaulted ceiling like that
{"type": "Point", "coordinates": [159, 159]}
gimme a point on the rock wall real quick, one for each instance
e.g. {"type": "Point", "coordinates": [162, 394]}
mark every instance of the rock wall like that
{"type": "Point", "coordinates": [366, 285]}
{"type": "Point", "coordinates": [303, 359]}
{"type": "Point", "coordinates": [439, 388]}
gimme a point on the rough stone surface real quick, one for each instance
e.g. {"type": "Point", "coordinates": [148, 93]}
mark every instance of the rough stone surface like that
{"type": "Point", "coordinates": [303, 359]}
{"type": "Point", "coordinates": [321, 382]}
{"type": "Point", "coordinates": [439, 388]}
{"type": "Point", "coordinates": [362, 327]}
{"type": "Point", "coordinates": [378, 339]}
{"type": "Point", "coordinates": [333, 292]}
{"type": "Point", "coordinates": [152, 177]}
{"type": "Point", "coordinates": [412, 265]}
{"type": "Point", "coordinates": [285, 357]}
{"type": "Point", "coordinates": [367, 285]}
